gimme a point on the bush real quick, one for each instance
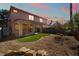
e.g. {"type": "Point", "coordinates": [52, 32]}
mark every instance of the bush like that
{"type": "Point", "coordinates": [59, 30]}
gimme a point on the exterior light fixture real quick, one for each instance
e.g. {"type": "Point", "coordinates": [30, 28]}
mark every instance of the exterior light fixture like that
{"type": "Point", "coordinates": [15, 11]}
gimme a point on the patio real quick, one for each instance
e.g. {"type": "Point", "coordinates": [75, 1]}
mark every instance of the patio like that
{"type": "Point", "coordinates": [47, 43]}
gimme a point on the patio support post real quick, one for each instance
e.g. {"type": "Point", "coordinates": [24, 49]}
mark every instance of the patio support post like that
{"type": "Point", "coordinates": [20, 29]}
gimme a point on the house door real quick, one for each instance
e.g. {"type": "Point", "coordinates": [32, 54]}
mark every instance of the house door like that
{"type": "Point", "coordinates": [38, 28]}
{"type": "Point", "coordinates": [27, 29]}
{"type": "Point", "coordinates": [16, 29]}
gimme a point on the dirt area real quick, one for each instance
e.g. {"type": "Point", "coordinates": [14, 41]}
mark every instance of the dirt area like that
{"type": "Point", "coordinates": [55, 45]}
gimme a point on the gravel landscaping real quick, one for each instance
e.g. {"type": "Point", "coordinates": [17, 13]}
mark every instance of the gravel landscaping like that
{"type": "Point", "coordinates": [54, 45]}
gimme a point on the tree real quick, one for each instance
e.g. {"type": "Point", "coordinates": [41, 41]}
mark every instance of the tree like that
{"type": "Point", "coordinates": [76, 19]}
{"type": "Point", "coordinates": [3, 19]}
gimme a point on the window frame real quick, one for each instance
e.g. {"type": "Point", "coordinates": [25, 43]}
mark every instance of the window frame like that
{"type": "Point", "coordinates": [15, 11]}
{"type": "Point", "coordinates": [31, 17]}
{"type": "Point", "coordinates": [41, 20]}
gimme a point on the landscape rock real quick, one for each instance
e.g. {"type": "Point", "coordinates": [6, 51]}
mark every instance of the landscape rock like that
{"type": "Point", "coordinates": [52, 45]}
{"type": "Point", "coordinates": [28, 54]}
{"type": "Point", "coordinates": [9, 51]}
{"type": "Point", "coordinates": [59, 39]}
{"type": "Point", "coordinates": [41, 53]}
{"type": "Point", "coordinates": [15, 54]}
{"type": "Point", "coordinates": [33, 52]}
{"type": "Point", "coordinates": [24, 49]}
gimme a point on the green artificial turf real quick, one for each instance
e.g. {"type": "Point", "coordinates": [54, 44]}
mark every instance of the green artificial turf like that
{"type": "Point", "coordinates": [32, 37]}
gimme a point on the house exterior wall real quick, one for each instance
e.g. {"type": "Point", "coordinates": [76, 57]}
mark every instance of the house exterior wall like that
{"type": "Point", "coordinates": [24, 15]}
{"type": "Point", "coordinates": [18, 15]}
{"type": "Point", "coordinates": [21, 17]}
{"type": "Point", "coordinates": [36, 19]}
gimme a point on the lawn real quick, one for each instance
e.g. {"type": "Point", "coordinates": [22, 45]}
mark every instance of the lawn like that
{"type": "Point", "coordinates": [32, 37]}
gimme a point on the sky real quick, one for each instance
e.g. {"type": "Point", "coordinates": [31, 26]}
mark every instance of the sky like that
{"type": "Point", "coordinates": [75, 7]}
{"type": "Point", "coordinates": [60, 10]}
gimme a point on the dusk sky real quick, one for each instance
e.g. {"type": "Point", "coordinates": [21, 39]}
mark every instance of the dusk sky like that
{"type": "Point", "coordinates": [75, 7]}
{"type": "Point", "coordinates": [60, 10]}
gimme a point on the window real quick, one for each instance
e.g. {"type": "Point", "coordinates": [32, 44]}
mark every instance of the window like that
{"type": "Point", "coordinates": [16, 26]}
{"type": "Point", "coordinates": [15, 11]}
{"type": "Point", "coordinates": [31, 17]}
{"type": "Point", "coordinates": [41, 20]}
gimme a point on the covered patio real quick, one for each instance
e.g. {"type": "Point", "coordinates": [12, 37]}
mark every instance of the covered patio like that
{"type": "Point", "coordinates": [24, 27]}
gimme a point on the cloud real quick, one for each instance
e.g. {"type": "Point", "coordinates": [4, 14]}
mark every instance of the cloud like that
{"type": "Point", "coordinates": [65, 9]}
{"type": "Point", "coordinates": [41, 6]}
{"type": "Point", "coordinates": [75, 7]}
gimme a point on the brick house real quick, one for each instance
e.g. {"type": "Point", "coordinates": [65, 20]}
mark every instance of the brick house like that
{"type": "Point", "coordinates": [25, 23]}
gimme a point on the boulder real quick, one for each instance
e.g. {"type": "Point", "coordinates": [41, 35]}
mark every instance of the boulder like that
{"type": "Point", "coordinates": [24, 49]}
{"type": "Point", "coordinates": [28, 54]}
{"type": "Point", "coordinates": [15, 54]}
{"type": "Point", "coordinates": [32, 52]}
{"type": "Point", "coordinates": [9, 51]}
{"type": "Point", "coordinates": [41, 53]}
